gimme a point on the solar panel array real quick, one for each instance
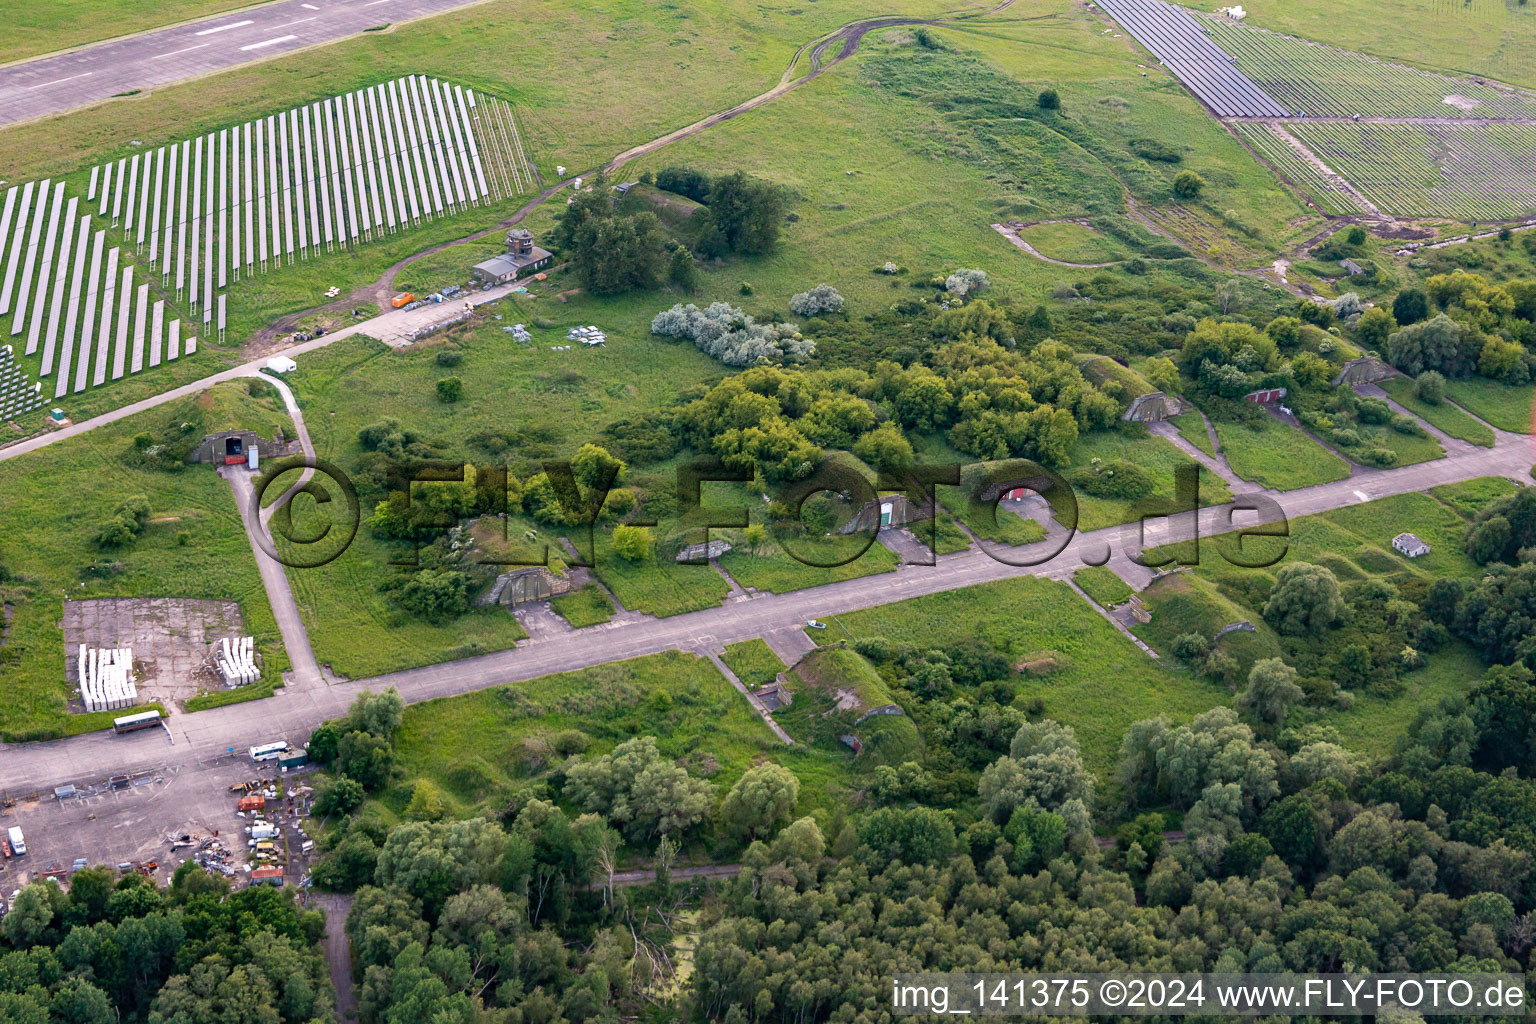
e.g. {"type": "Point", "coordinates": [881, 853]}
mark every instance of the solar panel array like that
{"type": "Point", "coordinates": [18, 395]}
{"type": "Point", "coordinates": [1180, 44]}
{"type": "Point", "coordinates": [333, 173]}
{"type": "Point", "coordinates": [199, 212]}
{"type": "Point", "coordinates": [61, 290]}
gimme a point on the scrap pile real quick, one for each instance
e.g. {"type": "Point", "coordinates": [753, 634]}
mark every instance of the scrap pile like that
{"type": "Point", "coordinates": [106, 678]}
{"type": "Point", "coordinates": [237, 662]}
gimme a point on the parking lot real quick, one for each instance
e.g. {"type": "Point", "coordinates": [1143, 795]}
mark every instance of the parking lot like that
{"type": "Point", "coordinates": [160, 818]}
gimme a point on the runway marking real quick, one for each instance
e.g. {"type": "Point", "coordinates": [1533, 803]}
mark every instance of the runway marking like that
{"type": "Point", "coordinates": [225, 28]}
{"type": "Point", "coordinates": [309, 7]}
{"type": "Point", "coordinates": [58, 81]}
{"type": "Point", "coordinates": [299, 22]}
{"type": "Point", "coordinates": [374, 3]}
{"type": "Point", "coordinates": [173, 53]}
{"type": "Point", "coordinates": [268, 42]}
{"type": "Point", "coordinates": [1362, 496]}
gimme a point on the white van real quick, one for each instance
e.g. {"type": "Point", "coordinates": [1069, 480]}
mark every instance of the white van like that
{"type": "Point", "coordinates": [18, 842]}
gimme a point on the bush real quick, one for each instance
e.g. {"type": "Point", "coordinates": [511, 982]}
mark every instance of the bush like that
{"type": "Point", "coordinates": [730, 335]}
{"type": "Point", "coordinates": [965, 282]}
{"type": "Point", "coordinates": [1430, 387]}
{"type": "Point", "coordinates": [1191, 647]}
{"type": "Point", "coordinates": [450, 389]}
{"type": "Point", "coordinates": [819, 300]}
{"type": "Point", "coordinates": [1115, 478]}
{"type": "Point", "coordinates": [633, 543]}
{"type": "Point", "coordinates": [1151, 149]}
{"type": "Point", "coordinates": [449, 357]}
{"type": "Point", "coordinates": [1049, 99]}
{"type": "Point", "coordinates": [1407, 425]}
{"type": "Point", "coordinates": [1188, 185]}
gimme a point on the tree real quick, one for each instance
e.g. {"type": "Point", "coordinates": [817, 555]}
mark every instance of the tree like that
{"type": "Point", "coordinates": [885, 447]}
{"type": "Point", "coordinates": [426, 801]}
{"type": "Point", "coordinates": [619, 254]}
{"type": "Point", "coordinates": [365, 758]}
{"type": "Point", "coordinates": [819, 301]}
{"type": "Point", "coordinates": [818, 515]}
{"type": "Point", "coordinates": [1410, 306]}
{"type": "Point", "coordinates": [436, 594]}
{"type": "Point", "coordinates": [449, 389]}
{"type": "Point", "coordinates": [764, 796]}
{"type": "Point", "coordinates": [1375, 326]}
{"type": "Point", "coordinates": [1044, 765]}
{"type": "Point", "coordinates": [747, 212]}
{"type": "Point", "coordinates": [644, 794]}
{"type": "Point", "coordinates": [1271, 691]}
{"type": "Point", "coordinates": [1304, 600]}
{"type": "Point", "coordinates": [379, 714]}
{"type": "Point", "coordinates": [1431, 345]}
{"type": "Point", "coordinates": [1187, 185]}
{"type": "Point", "coordinates": [633, 543]}
{"type": "Point", "coordinates": [341, 796]}
{"type": "Point", "coordinates": [595, 469]}
{"type": "Point", "coordinates": [683, 270]}
{"type": "Point", "coordinates": [919, 835]}
{"type": "Point", "coordinates": [1049, 100]}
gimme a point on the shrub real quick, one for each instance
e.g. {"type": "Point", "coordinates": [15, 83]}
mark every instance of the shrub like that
{"type": "Point", "coordinates": [1151, 149]}
{"type": "Point", "coordinates": [1191, 647]}
{"type": "Point", "coordinates": [1049, 99]}
{"type": "Point", "coordinates": [633, 543]}
{"type": "Point", "coordinates": [819, 300]}
{"type": "Point", "coordinates": [1188, 185]}
{"type": "Point", "coordinates": [450, 389]}
{"type": "Point", "coordinates": [1407, 425]}
{"type": "Point", "coordinates": [1430, 387]}
{"type": "Point", "coordinates": [449, 357]}
{"type": "Point", "coordinates": [1115, 478]}
{"type": "Point", "coordinates": [964, 282]}
{"type": "Point", "coordinates": [730, 335]}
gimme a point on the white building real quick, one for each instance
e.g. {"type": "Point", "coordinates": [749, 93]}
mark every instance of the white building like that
{"type": "Point", "coordinates": [1410, 545]}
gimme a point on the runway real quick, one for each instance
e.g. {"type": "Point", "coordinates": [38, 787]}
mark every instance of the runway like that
{"type": "Point", "coordinates": [52, 85]}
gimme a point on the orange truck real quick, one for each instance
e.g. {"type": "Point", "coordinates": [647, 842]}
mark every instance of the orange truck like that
{"type": "Point", "coordinates": [402, 299]}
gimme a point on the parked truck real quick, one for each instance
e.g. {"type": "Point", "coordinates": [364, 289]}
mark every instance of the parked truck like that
{"type": "Point", "coordinates": [18, 841]}
{"type": "Point", "coordinates": [404, 298]}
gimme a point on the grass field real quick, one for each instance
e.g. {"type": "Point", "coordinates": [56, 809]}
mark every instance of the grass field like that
{"type": "Point", "coordinates": [1103, 585]}
{"type": "Point", "coordinates": [778, 571]}
{"type": "Point", "coordinates": [1158, 456]}
{"type": "Point", "coordinates": [1277, 455]}
{"type": "Point", "coordinates": [1446, 416]}
{"type": "Point", "coordinates": [1187, 603]}
{"type": "Point", "coordinates": [52, 503]}
{"type": "Point", "coordinates": [1471, 496]}
{"type": "Point", "coordinates": [1506, 407]}
{"type": "Point", "coordinates": [483, 747]}
{"type": "Point", "coordinates": [586, 606]}
{"type": "Point", "coordinates": [1106, 683]}
{"type": "Point", "coordinates": [1072, 242]}
{"type": "Point", "coordinates": [753, 661]}
{"type": "Point", "coordinates": [1191, 427]}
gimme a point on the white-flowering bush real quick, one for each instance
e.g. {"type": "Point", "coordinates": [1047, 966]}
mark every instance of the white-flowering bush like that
{"type": "Point", "coordinates": [821, 299]}
{"type": "Point", "coordinates": [732, 336]}
{"type": "Point", "coordinates": [1347, 305]}
{"type": "Point", "coordinates": [963, 282]}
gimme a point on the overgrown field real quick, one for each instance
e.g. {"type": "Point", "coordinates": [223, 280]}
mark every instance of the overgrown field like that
{"type": "Point", "coordinates": [53, 504]}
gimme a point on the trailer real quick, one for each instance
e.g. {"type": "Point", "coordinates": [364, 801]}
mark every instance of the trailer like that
{"type": "Point", "coordinates": [18, 841]}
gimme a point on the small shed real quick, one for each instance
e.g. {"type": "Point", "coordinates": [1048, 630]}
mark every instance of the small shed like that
{"type": "Point", "coordinates": [64, 792]}
{"type": "Point", "coordinates": [1410, 545]}
{"type": "Point", "coordinates": [1352, 268]}
{"type": "Point", "coordinates": [267, 876]}
{"type": "Point", "coordinates": [281, 364]}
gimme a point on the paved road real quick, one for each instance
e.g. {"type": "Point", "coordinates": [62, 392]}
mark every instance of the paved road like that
{"type": "Point", "coordinates": [204, 737]}
{"type": "Point", "coordinates": [50, 85]}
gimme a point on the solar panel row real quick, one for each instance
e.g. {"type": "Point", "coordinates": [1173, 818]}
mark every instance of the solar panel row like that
{"type": "Point", "coordinates": [1180, 43]}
